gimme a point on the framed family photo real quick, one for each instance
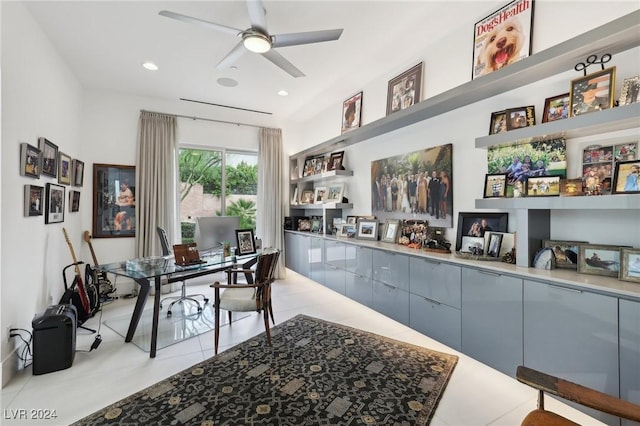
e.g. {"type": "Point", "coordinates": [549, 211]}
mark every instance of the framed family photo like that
{"type": "Point", "coordinates": [625, 178]}
{"type": "Point", "coordinates": [367, 229]}
{"type": "Point", "coordinates": [566, 252]}
{"type": "Point", "coordinates": [630, 264]}
{"type": "Point", "coordinates": [54, 205]}
{"type": "Point", "coordinates": [495, 185]}
{"type": "Point", "coordinates": [33, 200]}
{"type": "Point", "coordinates": [49, 157]}
{"type": "Point", "coordinates": [30, 161]}
{"type": "Point", "coordinates": [593, 92]}
{"type": "Point", "coordinates": [498, 123]}
{"type": "Point", "coordinates": [335, 161]}
{"type": "Point", "coordinates": [245, 241]}
{"type": "Point", "coordinates": [475, 225]}
{"type": "Point", "coordinates": [320, 194]}
{"type": "Point", "coordinates": [347, 230]}
{"type": "Point", "coordinates": [352, 113]}
{"type": "Point", "coordinates": [334, 193]}
{"type": "Point", "coordinates": [78, 172]}
{"type": "Point", "coordinates": [114, 201]}
{"type": "Point", "coordinates": [64, 169]}
{"type": "Point", "coordinates": [524, 116]}
{"type": "Point", "coordinates": [556, 108]}
{"type": "Point", "coordinates": [405, 90]}
{"type": "Point", "coordinates": [545, 186]}
{"type": "Point", "coordinates": [74, 201]}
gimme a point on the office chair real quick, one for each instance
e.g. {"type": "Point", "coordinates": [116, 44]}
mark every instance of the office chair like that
{"type": "Point", "coordinates": [164, 242]}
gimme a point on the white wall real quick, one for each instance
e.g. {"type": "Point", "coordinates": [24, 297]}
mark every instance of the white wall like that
{"type": "Point", "coordinates": [443, 62]}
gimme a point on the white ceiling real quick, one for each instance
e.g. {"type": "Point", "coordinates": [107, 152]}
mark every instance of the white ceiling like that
{"type": "Point", "coordinates": [105, 43]}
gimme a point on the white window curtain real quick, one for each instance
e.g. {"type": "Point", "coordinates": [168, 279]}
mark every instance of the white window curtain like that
{"type": "Point", "coordinates": [155, 180]}
{"type": "Point", "coordinates": [270, 193]}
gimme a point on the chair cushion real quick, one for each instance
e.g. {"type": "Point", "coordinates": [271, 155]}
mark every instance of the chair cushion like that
{"type": "Point", "coordinates": [540, 417]}
{"type": "Point", "coordinates": [238, 299]}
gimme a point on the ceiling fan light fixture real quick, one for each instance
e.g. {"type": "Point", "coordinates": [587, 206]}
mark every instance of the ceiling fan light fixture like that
{"type": "Point", "coordinates": [256, 42]}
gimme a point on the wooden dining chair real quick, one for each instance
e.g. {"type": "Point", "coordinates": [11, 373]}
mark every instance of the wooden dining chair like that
{"type": "Point", "coordinates": [256, 296]}
{"type": "Point", "coordinates": [573, 392]}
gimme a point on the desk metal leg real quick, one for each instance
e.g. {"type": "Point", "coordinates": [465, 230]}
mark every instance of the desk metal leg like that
{"type": "Point", "coordinates": [137, 311]}
{"type": "Point", "coordinates": [156, 316]}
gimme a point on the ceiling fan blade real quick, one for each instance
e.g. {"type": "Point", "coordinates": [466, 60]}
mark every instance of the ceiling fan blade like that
{"type": "Point", "coordinates": [257, 15]}
{"type": "Point", "coordinates": [281, 62]}
{"type": "Point", "coordinates": [207, 24]}
{"type": "Point", "coordinates": [232, 56]}
{"type": "Point", "coordinates": [294, 39]}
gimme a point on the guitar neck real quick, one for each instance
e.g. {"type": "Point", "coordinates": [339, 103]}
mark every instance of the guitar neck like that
{"type": "Point", "coordinates": [87, 238]}
{"type": "Point", "coordinates": [73, 253]}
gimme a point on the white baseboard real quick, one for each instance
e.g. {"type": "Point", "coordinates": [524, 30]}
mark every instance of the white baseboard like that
{"type": "Point", "coordinates": [9, 366]}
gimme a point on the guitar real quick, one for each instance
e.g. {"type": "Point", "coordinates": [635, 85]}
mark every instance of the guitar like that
{"type": "Point", "coordinates": [82, 291]}
{"type": "Point", "coordinates": [99, 278]}
{"type": "Point", "coordinates": [87, 239]}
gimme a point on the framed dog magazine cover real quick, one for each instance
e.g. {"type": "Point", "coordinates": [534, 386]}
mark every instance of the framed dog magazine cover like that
{"type": "Point", "coordinates": [49, 157]}
{"type": "Point", "coordinates": [502, 38]}
{"type": "Point", "coordinates": [405, 90]}
{"type": "Point", "coordinates": [351, 113]}
{"type": "Point", "coordinates": [114, 201]}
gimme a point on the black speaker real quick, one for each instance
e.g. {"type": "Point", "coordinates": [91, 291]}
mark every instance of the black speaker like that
{"type": "Point", "coordinates": [54, 339]}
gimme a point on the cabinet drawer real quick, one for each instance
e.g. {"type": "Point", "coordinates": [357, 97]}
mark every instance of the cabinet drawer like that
{"type": "Point", "coordinates": [359, 288]}
{"type": "Point", "coordinates": [391, 301]}
{"type": "Point", "coordinates": [435, 280]}
{"type": "Point", "coordinates": [391, 268]}
{"type": "Point", "coordinates": [334, 278]}
{"type": "Point", "coordinates": [436, 320]}
{"type": "Point", "coordinates": [359, 260]}
{"type": "Point", "coordinates": [334, 254]}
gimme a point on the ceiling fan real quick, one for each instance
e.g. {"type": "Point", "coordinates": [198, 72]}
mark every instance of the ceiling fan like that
{"type": "Point", "coordinates": [257, 39]}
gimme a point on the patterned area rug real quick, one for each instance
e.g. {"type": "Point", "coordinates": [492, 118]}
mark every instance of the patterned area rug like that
{"type": "Point", "coordinates": [316, 373]}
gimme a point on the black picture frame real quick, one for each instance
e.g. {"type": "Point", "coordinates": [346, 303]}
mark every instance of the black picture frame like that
{"type": "Point", "coordinates": [495, 185]}
{"type": "Point", "coordinates": [49, 157]}
{"type": "Point", "coordinates": [74, 201]}
{"type": "Point", "coordinates": [33, 200]}
{"type": "Point", "coordinates": [405, 90]}
{"type": "Point", "coordinates": [498, 122]}
{"type": "Point", "coordinates": [494, 244]}
{"type": "Point", "coordinates": [77, 175]}
{"type": "Point", "coordinates": [54, 205]}
{"type": "Point", "coordinates": [245, 242]}
{"type": "Point", "coordinates": [114, 201]}
{"type": "Point", "coordinates": [497, 222]}
{"type": "Point", "coordinates": [544, 186]}
{"type": "Point", "coordinates": [335, 161]}
{"type": "Point", "coordinates": [30, 160]}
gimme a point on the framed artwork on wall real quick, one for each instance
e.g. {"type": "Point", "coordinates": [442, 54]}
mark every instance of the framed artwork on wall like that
{"type": "Point", "coordinates": [78, 172]}
{"type": "Point", "coordinates": [74, 201]}
{"type": "Point", "coordinates": [64, 169]}
{"type": "Point", "coordinates": [556, 108]}
{"type": "Point", "coordinates": [593, 92]}
{"type": "Point", "coordinates": [30, 160]}
{"type": "Point", "coordinates": [49, 157]}
{"type": "Point", "coordinates": [352, 113]}
{"type": "Point", "coordinates": [114, 202]}
{"type": "Point", "coordinates": [54, 206]}
{"type": "Point", "coordinates": [390, 231]}
{"type": "Point", "coordinates": [33, 198]}
{"type": "Point", "coordinates": [404, 90]}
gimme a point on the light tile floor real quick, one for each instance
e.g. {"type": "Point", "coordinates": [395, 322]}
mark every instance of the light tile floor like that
{"type": "Point", "coordinates": [476, 394]}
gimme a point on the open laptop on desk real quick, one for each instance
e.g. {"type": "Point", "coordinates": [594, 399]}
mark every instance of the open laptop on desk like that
{"type": "Point", "coordinates": [187, 254]}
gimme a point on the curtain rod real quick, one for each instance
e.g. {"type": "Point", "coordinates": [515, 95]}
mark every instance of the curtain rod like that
{"type": "Point", "coordinates": [193, 117]}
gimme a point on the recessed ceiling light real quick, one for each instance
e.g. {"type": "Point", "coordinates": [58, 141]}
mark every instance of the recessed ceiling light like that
{"type": "Point", "coordinates": [227, 82]}
{"type": "Point", "coordinates": [283, 93]}
{"type": "Point", "coordinates": [150, 66]}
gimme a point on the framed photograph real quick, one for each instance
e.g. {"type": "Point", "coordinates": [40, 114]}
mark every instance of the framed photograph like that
{"type": "Point", "coordinates": [476, 224]}
{"type": "Point", "coordinates": [405, 90]}
{"type": "Point", "coordinates": [78, 172]}
{"type": "Point", "coordinates": [74, 201]}
{"type": "Point", "coordinates": [30, 160]}
{"type": "Point", "coordinates": [114, 201]}
{"type": "Point", "coordinates": [309, 168]}
{"type": "Point", "coordinates": [49, 157]}
{"type": "Point", "coordinates": [593, 92]}
{"type": "Point", "coordinates": [390, 231]}
{"type": "Point", "coordinates": [321, 165]}
{"type": "Point", "coordinates": [556, 108]}
{"type": "Point", "coordinates": [625, 151]}
{"type": "Point", "coordinates": [495, 185]}
{"type": "Point", "coordinates": [334, 193]}
{"type": "Point", "coordinates": [599, 259]}
{"type": "Point", "coordinates": [306, 197]}
{"type": "Point", "coordinates": [507, 241]}
{"type": "Point", "coordinates": [54, 205]}
{"type": "Point", "coordinates": [352, 220]}
{"type": "Point", "coordinates": [319, 194]}
{"type": "Point", "coordinates": [473, 245]}
{"type": "Point", "coordinates": [498, 122]}
{"type": "Point", "coordinates": [493, 246]}
{"type": "Point", "coordinates": [245, 241]}
{"type": "Point", "coordinates": [294, 199]}
{"type": "Point", "coordinates": [502, 38]}
{"type": "Point", "coordinates": [630, 93]}
{"type": "Point", "coordinates": [347, 230]}
{"type": "Point", "coordinates": [304, 224]}
{"type": "Point", "coordinates": [571, 187]}
{"type": "Point", "coordinates": [335, 161]}
{"type": "Point", "coordinates": [545, 186]}
{"type": "Point", "coordinates": [566, 252]}
{"type": "Point", "coordinates": [520, 117]}
{"type": "Point", "coordinates": [351, 113]}
{"type": "Point", "coordinates": [629, 264]}
{"type": "Point", "coordinates": [367, 229]}
{"type": "Point", "coordinates": [625, 178]}
{"type": "Point", "coordinates": [316, 224]}
{"type": "Point", "coordinates": [414, 231]}
{"type": "Point", "coordinates": [64, 169]}
{"type": "Point", "coordinates": [33, 197]}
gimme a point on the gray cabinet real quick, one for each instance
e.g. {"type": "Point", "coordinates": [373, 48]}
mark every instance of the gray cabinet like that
{"type": "Point", "coordinates": [359, 260]}
{"type": "Point", "coordinates": [358, 282]}
{"type": "Point", "coordinates": [573, 334]}
{"type": "Point", "coordinates": [391, 301]}
{"type": "Point", "coordinates": [629, 352]}
{"type": "Point", "coordinates": [492, 319]}
{"type": "Point", "coordinates": [435, 319]}
{"type": "Point", "coordinates": [334, 261]}
{"type": "Point", "coordinates": [316, 257]}
{"type": "Point", "coordinates": [297, 253]}
{"type": "Point", "coordinates": [359, 288]}
{"type": "Point", "coordinates": [391, 268]}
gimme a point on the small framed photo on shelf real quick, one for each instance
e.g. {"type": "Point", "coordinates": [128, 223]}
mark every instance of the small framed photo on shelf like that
{"type": "Point", "coordinates": [304, 224]}
{"type": "Point", "coordinates": [352, 220]}
{"type": "Point", "coordinates": [495, 185]}
{"type": "Point", "coordinates": [316, 224]}
{"type": "Point", "coordinates": [347, 230]}
{"type": "Point", "coordinates": [571, 187]}
{"type": "Point", "coordinates": [390, 231]}
{"type": "Point", "coordinates": [320, 194]}
{"type": "Point", "coordinates": [351, 113]}
{"type": "Point", "coordinates": [245, 242]}
{"type": "Point", "coordinates": [64, 169]}
{"type": "Point", "coordinates": [544, 186]}
{"type": "Point", "coordinates": [626, 177]}
{"type": "Point", "coordinates": [556, 108]}
{"type": "Point", "coordinates": [476, 224]}
{"type": "Point", "coordinates": [507, 241]}
{"type": "Point", "coordinates": [74, 201]}
{"type": "Point", "coordinates": [335, 161]}
{"type": "Point", "coordinates": [367, 229]}
{"type": "Point", "coordinates": [30, 160]}
{"type": "Point", "coordinates": [593, 92]}
{"type": "Point", "coordinates": [334, 193]}
{"type": "Point", "coordinates": [33, 200]}
{"type": "Point", "coordinates": [78, 172]}
{"type": "Point", "coordinates": [49, 157]}
{"type": "Point", "coordinates": [493, 246]}
{"type": "Point", "coordinates": [473, 245]}
{"type": "Point", "coordinates": [54, 206]}
{"type": "Point", "coordinates": [306, 197]}
{"type": "Point", "coordinates": [630, 93]}
{"type": "Point", "coordinates": [520, 117]}
{"type": "Point", "coordinates": [498, 122]}
{"type": "Point", "coordinates": [294, 198]}
{"type": "Point", "coordinates": [404, 90]}
{"type": "Point", "coordinates": [630, 264]}
{"type": "Point", "coordinates": [566, 252]}
{"type": "Point", "coordinates": [309, 168]}
{"type": "Point", "coordinates": [596, 259]}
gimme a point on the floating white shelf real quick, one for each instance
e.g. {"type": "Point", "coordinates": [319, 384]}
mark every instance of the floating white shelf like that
{"type": "Point", "coordinates": [601, 202]}
{"type": "Point", "coordinates": [323, 206]}
{"type": "Point", "coordinates": [322, 176]}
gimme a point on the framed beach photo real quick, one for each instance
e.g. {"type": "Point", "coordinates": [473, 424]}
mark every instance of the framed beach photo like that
{"type": "Point", "coordinates": [630, 264]}
{"type": "Point", "coordinates": [54, 205]}
{"type": "Point", "coordinates": [596, 259]}
{"type": "Point", "coordinates": [502, 37]}
{"type": "Point", "coordinates": [30, 160]}
{"type": "Point", "coordinates": [524, 116]}
{"type": "Point", "coordinates": [347, 230]}
{"type": "Point", "coordinates": [33, 200]}
{"type": "Point", "coordinates": [351, 113]}
{"type": "Point", "coordinates": [630, 93]}
{"type": "Point", "coordinates": [367, 229]}
{"type": "Point", "coordinates": [498, 122]}
{"type": "Point", "coordinates": [566, 252]}
{"type": "Point", "coordinates": [544, 186]}
{"type": "Point", "coordinates": [390, 231]}
{"type": "Point", "coordinates": [64, 169]}
{"type": "Point", "coordinates": [556, 108]}
{"type": "Point", "coordinates": [405, 90]}
{"type": "Point", "coordinates": [334, 193]}
{"type": "Point", "coordinates": [476, 224]}
{"type": "Point", "coordinates": [495, 185]}
{"type": "Point", "coordinates": [319, 194]}
{"type": "Point", "coordinates": [593, 92]}
{"type": "Point", "coordinates": [335, 161]}
{"type": "Point", "coordinates": [625, 177]}
{"type": "Point", "coordinates": [49, 157]}
{"type": "Point", "coordinates": [245, 241]}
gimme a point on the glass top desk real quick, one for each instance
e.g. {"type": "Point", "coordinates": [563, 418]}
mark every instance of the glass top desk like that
{"type": "Point", "coordinates": [143, 275]}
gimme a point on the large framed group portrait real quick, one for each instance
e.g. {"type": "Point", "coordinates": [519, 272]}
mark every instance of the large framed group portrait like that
{"type": "Point", "coordinates": [114, 201]}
